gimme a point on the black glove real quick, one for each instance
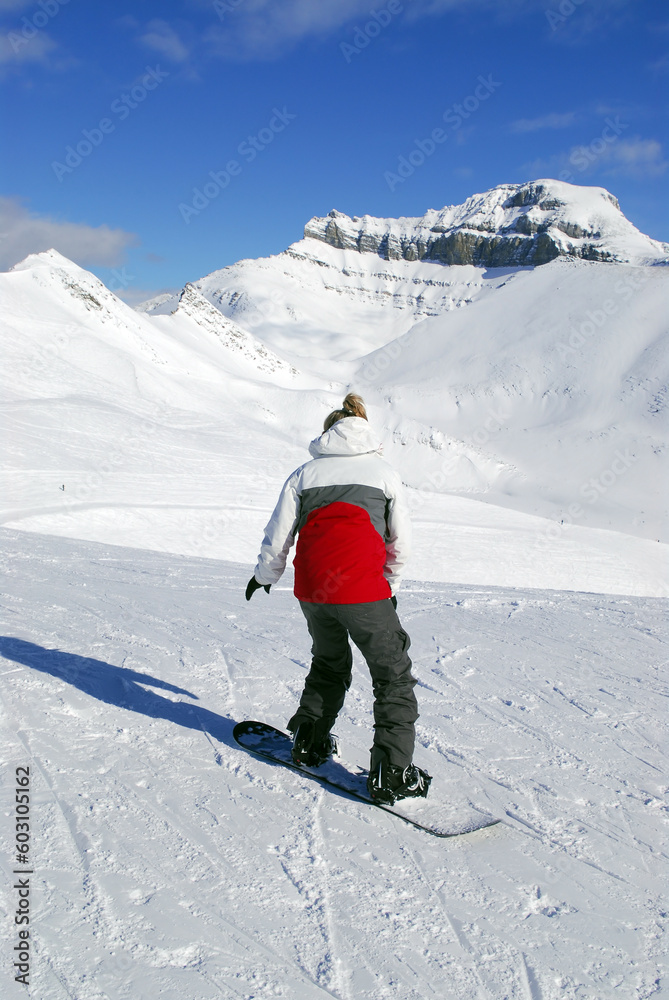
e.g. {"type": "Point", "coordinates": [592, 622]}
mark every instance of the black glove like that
{"type": "Point", "coordinates": [393, 601]}
{"type": "Point", "coordinates": [253, 585]}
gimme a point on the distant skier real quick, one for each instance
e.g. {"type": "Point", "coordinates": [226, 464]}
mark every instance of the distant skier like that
{"type": "Point", "coordinates": [347, 508]}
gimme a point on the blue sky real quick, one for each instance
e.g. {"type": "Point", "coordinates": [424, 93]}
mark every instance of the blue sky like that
{"type": "Point", "coordinates": [116, 115]}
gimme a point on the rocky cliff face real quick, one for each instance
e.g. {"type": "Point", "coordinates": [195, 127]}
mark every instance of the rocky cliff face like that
{"type": "Point", "coordinates": [237, 340]}
{"type": "Point", "coordinates": [510, 225]}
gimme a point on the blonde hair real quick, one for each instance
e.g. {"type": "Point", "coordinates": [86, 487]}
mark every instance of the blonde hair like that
{"type": "Point", "coordinates": [352, 406]}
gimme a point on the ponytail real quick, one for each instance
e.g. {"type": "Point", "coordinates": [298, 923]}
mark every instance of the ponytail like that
{"type": "Point", "coordinates": [352, 406]}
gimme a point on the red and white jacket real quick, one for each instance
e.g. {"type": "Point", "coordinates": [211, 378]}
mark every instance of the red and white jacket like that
{"type": "Point", "coordinates": [348, 510]}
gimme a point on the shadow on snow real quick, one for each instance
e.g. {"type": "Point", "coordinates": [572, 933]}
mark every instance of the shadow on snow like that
{"type": "Point", "coordinates": [119, 686]}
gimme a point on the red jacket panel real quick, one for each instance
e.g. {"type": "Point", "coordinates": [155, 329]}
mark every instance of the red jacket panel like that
{"type": "Point", "coordinates": [340, 557]}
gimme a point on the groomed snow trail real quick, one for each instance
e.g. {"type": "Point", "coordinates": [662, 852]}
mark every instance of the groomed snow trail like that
{"type": "Point", "coordinates": [169, 863]}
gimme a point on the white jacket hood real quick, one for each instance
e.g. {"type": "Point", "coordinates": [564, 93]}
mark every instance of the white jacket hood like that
{"type": "Point", "coordinates": [349, 436]}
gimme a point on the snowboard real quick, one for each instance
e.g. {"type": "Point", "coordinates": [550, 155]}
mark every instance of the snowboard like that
{"type": "Point", "coordinates": [436, 814]}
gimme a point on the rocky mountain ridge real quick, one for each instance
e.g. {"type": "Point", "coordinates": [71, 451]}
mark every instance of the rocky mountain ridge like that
{"type": "Point", "coordinates": [195, 306]}
{"type": "Point", "coordinates": [512, 225]}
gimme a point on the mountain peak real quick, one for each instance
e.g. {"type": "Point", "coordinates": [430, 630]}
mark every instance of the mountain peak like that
{"type": "Point", "coordinates": [510, 225]}
{"type": "Point", "coordinates": [548, 194]}
{"type": "Point", "coordinates": [46, 258]}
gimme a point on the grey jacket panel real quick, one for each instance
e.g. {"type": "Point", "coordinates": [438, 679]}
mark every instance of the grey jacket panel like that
{"type": "Point", "coordinates": [371, 499]}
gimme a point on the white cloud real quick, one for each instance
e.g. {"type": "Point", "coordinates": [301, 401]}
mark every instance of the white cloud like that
{"type": "Point", "coordinates": [617, 157]}
{"type": "Point", "coordinates": [636, 157]}
{"type": "Point", "coordinates": [545, 121]}
{"type": "Point", "coordinates": [162, 37]}
{"type": "Point", "coordinates": [12, 5]}
{"type": "Point", "coordinates": [257, 29]}
{"type": "Point", "coordinates": [126, 21]}
{"type": "Point", "coordinates": [15, 49]}
{"type": "Point", "coordinates": [24, 43]}
{"type": "Point", "coordinates": [660, 65]}
{"type": "Point", "coordinates": [263, 28]}
{"type": "Point", "coordinates": [23, 232]}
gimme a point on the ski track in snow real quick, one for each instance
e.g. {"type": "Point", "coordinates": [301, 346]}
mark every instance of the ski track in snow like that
{"type": "Point", "coordinates": [169, 863]}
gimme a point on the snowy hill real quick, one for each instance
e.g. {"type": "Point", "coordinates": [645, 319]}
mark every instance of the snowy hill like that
{"type": "Point", "coordinates": [539, 390]}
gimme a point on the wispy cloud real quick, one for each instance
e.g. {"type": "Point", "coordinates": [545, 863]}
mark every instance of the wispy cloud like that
{"type": "Point", "coordinates": [15, 50]}
{"type": "Point", "coordinates": [263, 29]}
{"type": "Point", "coordinates": [551, 121]}
{"type": "Point", "coordinates": [613, 157]}
{"type": "Point", "coordinates": [660, 65]}
{"type": "Point", "coordinates": [14, 5]}
{"type": "Point", "coordinates": [24, 44]}
{"type": "Point", "coordinates": [574, 23]}
{"type": "Point", "coordinates": [163, 38]}
{"type": "Point", "coordinates": [260, 29]}
{"type": "Point", "coordinates": [23, 232]}
{"type": "Point", "coordinates": [178, 42]}
{"type": "Point", "coordinates": [636, 158]}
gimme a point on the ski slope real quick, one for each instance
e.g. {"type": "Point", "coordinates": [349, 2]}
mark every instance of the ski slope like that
{"type": "Point", "coordinates": [169, 863]}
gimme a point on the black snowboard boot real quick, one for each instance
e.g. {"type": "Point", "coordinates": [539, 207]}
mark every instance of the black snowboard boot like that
{"type": "Point", "coordinates": [313, 744]}
{"type": "Point", "coordinates": [387, 783]}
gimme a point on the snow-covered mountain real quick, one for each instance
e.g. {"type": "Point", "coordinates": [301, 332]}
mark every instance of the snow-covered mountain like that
{"type": "Point", "coordinates": [538, 389]}
{"type": "Point", "coordinates": [472, 363]}
{"type": "Point", "coordinates": [510, 225]}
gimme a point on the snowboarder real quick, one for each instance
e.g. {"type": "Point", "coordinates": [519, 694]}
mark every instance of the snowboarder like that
{"type": "Point", "coordinates": [348, 510]}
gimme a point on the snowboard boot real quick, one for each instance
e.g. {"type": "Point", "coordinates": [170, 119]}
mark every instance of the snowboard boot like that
{"type": "Point", "coordinates": [313, 743]}
{"type": "Point", "coordinates": [387, 783]}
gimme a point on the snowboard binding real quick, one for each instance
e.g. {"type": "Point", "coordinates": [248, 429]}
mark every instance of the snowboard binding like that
{"type": "Point", "coordinates": [387, 783]}
{"type": "Point", "coordinates": [309, 749]}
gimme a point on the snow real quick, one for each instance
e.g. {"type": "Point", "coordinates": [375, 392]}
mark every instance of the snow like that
{"type": "Point", "coordinates": [170, 863]}
{"type": "Point", "coordinates": [142, 455]}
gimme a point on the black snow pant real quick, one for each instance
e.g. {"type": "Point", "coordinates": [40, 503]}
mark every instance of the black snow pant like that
{"type": "Point", "coordinates": [375, 629]}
